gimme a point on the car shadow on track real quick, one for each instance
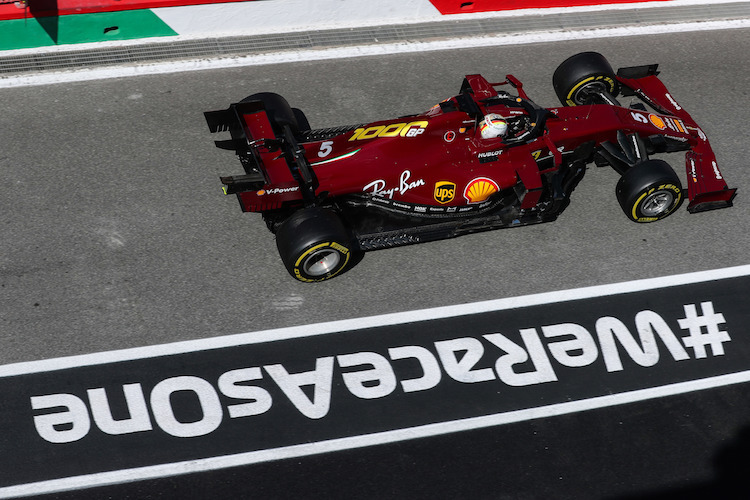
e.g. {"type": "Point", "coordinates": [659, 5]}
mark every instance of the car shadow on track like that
{"type": "Point", "coordinates": [732, 476]}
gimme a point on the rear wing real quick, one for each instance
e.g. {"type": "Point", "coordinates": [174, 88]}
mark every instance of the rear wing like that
{"type": "Point", "coordinates": [270, 154]}
{"type": "Point", "coordinates": [242, 142]}
{"type": "Point", "coordinates": [707, 189]}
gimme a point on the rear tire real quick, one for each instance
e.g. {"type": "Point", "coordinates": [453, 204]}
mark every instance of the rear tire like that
{"type": "Point", "coordinates": [279, 111]}
{"type": "Point", "coordinates": [314, 245]}
{"type": "Point", "coordinates": [581, 73]}
{"type": "Point", "coordinates": [302, 123]}
{"type": "Point", "coordinates": [649, 191]}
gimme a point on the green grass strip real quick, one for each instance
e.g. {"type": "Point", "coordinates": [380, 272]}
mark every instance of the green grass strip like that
{"type": "Point", "coordinates": [81, 28]}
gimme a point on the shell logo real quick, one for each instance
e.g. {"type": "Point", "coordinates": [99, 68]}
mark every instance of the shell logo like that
{"type": "Point", "coordinates": [657, 122]}
{"type": "Point", "coordinates": [480, 189]}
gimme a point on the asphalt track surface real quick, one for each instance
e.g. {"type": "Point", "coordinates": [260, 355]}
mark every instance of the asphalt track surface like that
{"type": "Point", "coordinates": [116, 235]}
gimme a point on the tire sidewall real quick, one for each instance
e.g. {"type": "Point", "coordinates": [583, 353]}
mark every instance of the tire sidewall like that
{"type": "Point", "coordinates": [306, 234]}
{"type": "Point", "coordinates": [643, 181]}
{"type": "Point", "coordinates": [637, 214]}
{"type": "Point", "coordinates": [571, 97]}
{"type": "Point", "coordinates": [298, 268]}
{"type": "Point", "coordinates": [580, 70]}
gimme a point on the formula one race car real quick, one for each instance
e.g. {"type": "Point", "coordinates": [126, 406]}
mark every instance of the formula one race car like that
{"type": "Point", "coordinates": [484, 159]}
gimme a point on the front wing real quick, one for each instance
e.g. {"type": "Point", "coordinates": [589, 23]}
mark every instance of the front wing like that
{"type": "Point", "coordinates": [707, 189]}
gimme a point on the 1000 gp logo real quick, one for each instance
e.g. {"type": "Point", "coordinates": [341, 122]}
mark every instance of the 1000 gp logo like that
{"type": "Point", "coordinates": [411, 129]}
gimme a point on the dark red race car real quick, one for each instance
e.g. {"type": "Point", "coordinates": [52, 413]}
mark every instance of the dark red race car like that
{"type": "Point", "coordinates": [484, 159]}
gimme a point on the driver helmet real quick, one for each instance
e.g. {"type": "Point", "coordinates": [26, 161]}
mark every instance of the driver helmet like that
{"type": "Point", "coordinates": [492, 126]}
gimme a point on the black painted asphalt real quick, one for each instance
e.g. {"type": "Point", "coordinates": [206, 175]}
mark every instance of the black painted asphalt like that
{"type": "Point", "coordinates": [692, 446]}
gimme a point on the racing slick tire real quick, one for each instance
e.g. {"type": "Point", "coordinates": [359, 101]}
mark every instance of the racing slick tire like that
{"type": "Point", "coordinates": [314, 245]}
{"type": "Point", "coordinates": [279, 111]}
{"type": "Point", "coordinates": [302, 123]}
{"type": "Point", "coordinates": [583, 72]}
{"type": "Point", "coordinates": [649, 191]}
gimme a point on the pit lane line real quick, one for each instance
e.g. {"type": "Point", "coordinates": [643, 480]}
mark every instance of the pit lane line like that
{"type": "Point", "coordinates": [360, 441]}
{"type": "Point", "coordinates": [361, 51]}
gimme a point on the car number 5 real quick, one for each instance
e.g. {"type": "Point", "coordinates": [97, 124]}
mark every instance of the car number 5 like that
{"type": "Point", "coordinates": [325, 149]}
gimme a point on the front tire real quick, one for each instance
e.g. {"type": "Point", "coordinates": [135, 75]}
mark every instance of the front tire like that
{"type": "Point", "coordinates": [314, 245]}
{"type": "Point", "coordinates": [579, 75]}
{"type": "Point", "coordinates": [649, 191]}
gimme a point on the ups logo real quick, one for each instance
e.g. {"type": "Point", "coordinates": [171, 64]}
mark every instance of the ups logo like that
{"type": "Point", "coordinates": [444, 192]}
